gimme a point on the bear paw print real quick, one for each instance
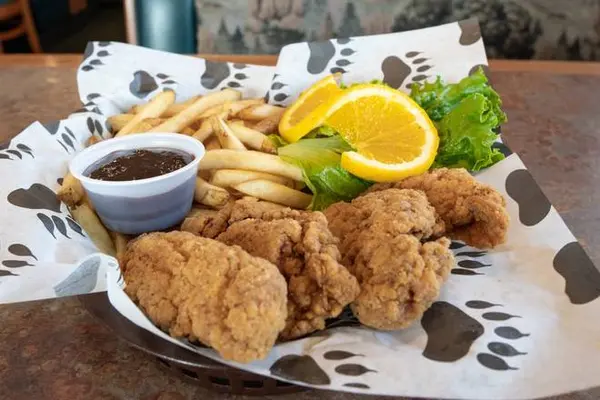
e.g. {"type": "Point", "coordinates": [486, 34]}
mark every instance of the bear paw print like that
{"type": "Point", "coordinates": [451, 333]}
{"type": "Point", "coordinates": [411, 68]}
{"type": "Point", "coordinates": [93, 55]}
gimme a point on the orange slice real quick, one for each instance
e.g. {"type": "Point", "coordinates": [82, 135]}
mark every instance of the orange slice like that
{"type": "Point", "coordinates": [393, 136]}
{"type": "Point", "coordinates": [308, 110]}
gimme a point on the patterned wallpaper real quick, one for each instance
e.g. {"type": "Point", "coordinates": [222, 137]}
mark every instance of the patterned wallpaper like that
{"type": "Point", "coordinates": [542, 29]}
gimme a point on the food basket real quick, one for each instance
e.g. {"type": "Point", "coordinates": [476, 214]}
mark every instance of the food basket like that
{"type": "Point", "coordinates": [192, 367]}
{"type": "Point", "coordinates": [487, 335]}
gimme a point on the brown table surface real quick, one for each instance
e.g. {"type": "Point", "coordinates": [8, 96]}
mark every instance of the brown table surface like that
{"type": "Point", "coordinates": [55, 350]}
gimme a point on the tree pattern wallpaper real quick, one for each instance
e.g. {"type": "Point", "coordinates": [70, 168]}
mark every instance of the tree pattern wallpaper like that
{"type": "Point", "coordinates": [514, 29]}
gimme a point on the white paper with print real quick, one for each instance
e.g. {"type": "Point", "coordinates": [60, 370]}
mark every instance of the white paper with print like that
{"type": "Point", "coordinates": [451, 51]}
{"type": "Point", "coordinates": [515, 322]}
{"type": "Point", "coordinates": [40, 244]}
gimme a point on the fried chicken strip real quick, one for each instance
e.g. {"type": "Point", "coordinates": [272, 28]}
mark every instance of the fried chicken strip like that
{"type": "Point", "coordinates": [472, 211]}
{"type": "Point", "coordinates": [301, 246]}
{"type": "Point", "coordinates": [202, 289]}
{"type": "Point", "coordinates": [381, 239]}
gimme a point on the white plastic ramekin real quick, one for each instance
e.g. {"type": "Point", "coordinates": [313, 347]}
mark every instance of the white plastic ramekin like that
{"type": "Point", "coordinates": [145, 205]}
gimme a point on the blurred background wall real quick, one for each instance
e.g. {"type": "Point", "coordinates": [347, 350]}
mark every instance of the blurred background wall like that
{"type": "Point", "coordinates": [521, 29]}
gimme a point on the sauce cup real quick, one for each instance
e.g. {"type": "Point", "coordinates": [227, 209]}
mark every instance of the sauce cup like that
{"type": "Point", "coordinates": [144, 205]}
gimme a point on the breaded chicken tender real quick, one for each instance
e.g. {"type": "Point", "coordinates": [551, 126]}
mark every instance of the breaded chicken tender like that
{"type": "Point", "coordinates": [472, 211]}
{"type": "Point", "coordinates": [381, 241]}
{"type": "Point", "coordinates": [300, 245]}
{"type": "Point", "coordinates": [400, 278]}
{"type": "Point", "coordinates": [391, 211]}
{"type": "Point", "coordinates": [204, 290]}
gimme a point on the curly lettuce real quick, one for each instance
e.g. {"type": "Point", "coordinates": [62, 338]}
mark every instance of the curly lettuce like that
{"type": "Point", "coordinates": [319, 159]}
{"type": "Point", "coordinates": [466, 115]}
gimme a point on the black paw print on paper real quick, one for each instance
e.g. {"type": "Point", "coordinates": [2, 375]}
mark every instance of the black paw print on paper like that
{"type": "Point", "coordinates": [93, 55]}
{"type": "Point", "coordinates": [352, 366]}
{"type": "Point", "coordinates": [96, 127]}
{"type": "Point", "coordinates": [82, 280]}
{"type": "Point", "coordinates": [503, 148]}
{"type": "Point", "coordinates": [40, 197]}
{"type": "Point", "coordinates": [300, 369]}
{"type": "Point", "coordinates": [470, 31]}
{"type": "Point", "coordinates": [533, 204]}
{"type": "Point", "coordinates": [63, 135]}
{"type": "Point", "coordinates": [451, 333]}
{"type": "Point", "coordinates": [344, 54]}
{"type": "Point", "coordinates": [25, 257]}
{"type": "Point", "coordinates": [470, 262]}
{"type": "Point", "coordinates": [90, 105]}
{"type": "Point", "coordinates": [403, 72]}
{"type": "Point", "coordinates": [322, 53]}
{"type": "Point", "coordinates": [221, 75]}
{"type": "Point", "coordinates": [332, 54]}
{"type": "Point", "coordinates": [276, 85]}
{"type": "Point", "coordinates": [582, 278]}
{"type": "Point", "coordinates": [144, 83]}
{"type": "Point", "coordinates": [8, 151]}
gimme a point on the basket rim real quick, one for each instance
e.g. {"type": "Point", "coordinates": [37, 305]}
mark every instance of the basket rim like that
{"type": "Point", "coordinates": [100, 307]}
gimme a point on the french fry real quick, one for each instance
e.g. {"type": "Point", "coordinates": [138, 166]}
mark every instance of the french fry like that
{"type": "Point", "coordinates": [117, 122]}
{"type": "Point", "coordinates": [120, 242]}
{"type": "Point", "coordinates": [226, 137]}
{"type": "Point", "coordinates": [188, 131]}
{"type": "Point", "coordinates": [230, 177]}
{"type": "Point", "coordinates": [155, 121]}
{"type": "Point", "coordinates": [195, 125]}
{"type": "Point", "coordinates": [174, 109]}
{"type": "Point", "coordinates": [71, 191]}
{"type": "Point", "coordinates": [210, 195]}
{"type": "Point", "coordinates": [141, 127]}
{"type": "Point", "coordinates": [93, 140]}
{"type": "Point", "coordinates": [191, 113]}
{"type": "Point", "coordinates": [154, 109]}
{"type": "Point", "coordinates": [212, 143]}
{"type": "Point", "coordinates": [231, 108]}
{"type": "Point", "coordinates": [275, 193]}
{"type": "Point", "coordinates": [249, 160]}
{"type": "Point", "coordinates": [260, 112]}
{"type": "Point", "coordinates": [268, 125]}
{"type": "Point", "coordinates": [252, 138]}
{"type": "Point", "coordinates": [90, 222]}
{"type": "Point", "coordinates": [205, 130]}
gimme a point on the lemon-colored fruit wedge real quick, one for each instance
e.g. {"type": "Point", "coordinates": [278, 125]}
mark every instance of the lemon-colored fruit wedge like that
{"type": "Point", "coordinates": [309, 109]}
{"type": "Point", "coordinates": [393, 137]}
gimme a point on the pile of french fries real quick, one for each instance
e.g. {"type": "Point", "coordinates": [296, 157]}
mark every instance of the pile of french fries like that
{"type": "Point", "coordinates": [240, 158]}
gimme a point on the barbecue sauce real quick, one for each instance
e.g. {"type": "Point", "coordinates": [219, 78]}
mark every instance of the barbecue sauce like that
{"type": "Point", "coordinates": [138, 164]}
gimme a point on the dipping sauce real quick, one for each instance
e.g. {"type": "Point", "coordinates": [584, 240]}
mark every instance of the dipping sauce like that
{"type": "Point", "coordinates": [133, 165]}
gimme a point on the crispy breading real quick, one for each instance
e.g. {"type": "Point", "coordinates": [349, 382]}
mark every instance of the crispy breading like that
{"type": "Point", "coordinates": [202, 289]}
{"type": "Point", "coordinates": [211, 226]}
{"type": "Point", "coordinates": [381, 236]}
{"type": "Point", "coordinates": [399, 278]}
{"type": "Point", "coordinates": [391, 211]}
{"type": "Point", "coordinates": [472, 211]}
{"type": "Point", "coordinates": [301, 246]}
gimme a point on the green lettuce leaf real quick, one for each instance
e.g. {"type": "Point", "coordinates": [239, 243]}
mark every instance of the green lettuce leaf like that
{"type": "Point", "coordinates": [319, 159]}
{"type": "Point", "coordinates": [467, 134]}
{"type": "Point", "coordinates": [466, 115]}
{"type": "Point", "coordinates": [322, 130]}
{"type": "Point", "coordinates": [277, 140]}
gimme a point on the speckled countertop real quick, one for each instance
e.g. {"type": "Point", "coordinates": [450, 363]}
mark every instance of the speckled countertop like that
{"type": "Point", "coordinates": [56, 350]}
